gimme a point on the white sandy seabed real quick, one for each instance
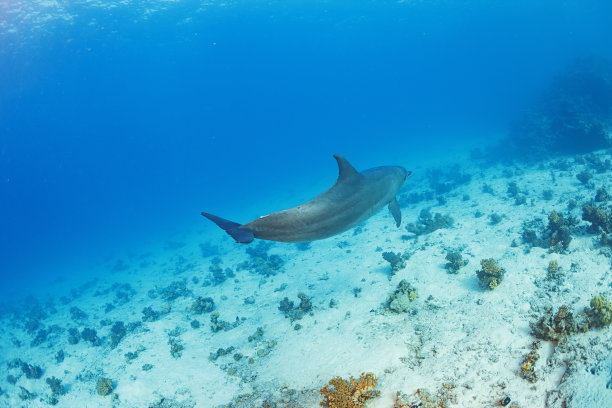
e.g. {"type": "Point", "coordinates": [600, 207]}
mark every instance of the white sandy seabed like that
{"type": "Point", "coordinates": [461, 343]}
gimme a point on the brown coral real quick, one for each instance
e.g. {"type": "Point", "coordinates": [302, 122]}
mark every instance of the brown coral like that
{"type": "Point", "coordinates": [527, 366]}
{"type": "Point", "coordinates": [559, 326]}
{"type": "Point", "coordinates": [424, 399]}
{"type": "Point", "coordinates": [491, 274]}
{"type": "Point", "coordinates": [349, 394]}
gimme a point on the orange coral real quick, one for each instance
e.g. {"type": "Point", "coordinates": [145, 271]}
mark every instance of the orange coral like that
{"type": "Point", "coordinates": [349, 394]}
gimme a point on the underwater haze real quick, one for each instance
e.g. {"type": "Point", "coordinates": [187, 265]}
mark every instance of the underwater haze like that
{"type": "Point", "coordinates": [122, 121]}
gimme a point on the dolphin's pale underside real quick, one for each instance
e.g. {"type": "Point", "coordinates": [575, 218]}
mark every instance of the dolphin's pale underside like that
{"type": "Point", "coordinates": [355, 197]}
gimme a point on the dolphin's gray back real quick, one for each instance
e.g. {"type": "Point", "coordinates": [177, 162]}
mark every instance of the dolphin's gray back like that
{"type": "Point", "coordinates": [351, 200]}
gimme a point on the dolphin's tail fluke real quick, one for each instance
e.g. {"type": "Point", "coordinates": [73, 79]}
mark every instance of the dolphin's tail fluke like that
{"type": "Point", "coordinates": [241, 234]}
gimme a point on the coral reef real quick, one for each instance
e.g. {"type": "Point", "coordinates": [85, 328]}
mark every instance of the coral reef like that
{"type": "Point", "coordinates": [25, 395]}
{"type": "Point", "coordinates": [340, 393]}
{"type": "Point", "coordinates": [520, 200]}
{"type": "Point", "coordinates": [399, 301]}
{"type": "Point", "coordinates": [73, 335]}
{"type": "Point", "coordinates": [104, 386]}
{"type": "Point", "coordinates": [495, 219]}
{"type": "Point", "coordinates": [425, 399]}
{"type": "Point", "coordinates": [59, 356]}
{"type": "Point", "coordinates": [527, 366]}
{"type": "Point", "coordinates": [218, 274]}
{"type": "Point", "coordinates": [30, 370]}
{"type": "Point", "coordinates": [176, 347]}
{"type": "Point", "coordinates": [77, 314]}
{"type": "Point", "coordinates": [584, 177]}
{"type": "Point", "coordinates": [487, 189]}
{"type": "Point", "coordinates": [397, 261]}
{"type": "Point", "coordinates": [554, 272]}
{"type": "Point", "coordinates": [257, 335]}
{"type": "Point", "coordinates": [218, 325]}
{"type": "Point", "coordinates": [558, 326]}
{"type": "Point", "coordinates": [600, 219]}
{"type": "Point", "coordinates": [202, 305]}
{"type": "Point", "coordinates": [533, 233]}
{"type": "Point", "coordinates": [573, 114]}
{"type": "Point", "coordinates": [415, 198]}
{"type": "Point", "coordinates": [172, 403]}
{"type": "Point", "coordinates": [605, 240]}
{"type": "Point", "coordinates": [602, 195]}
{"type": "Point", "coordinates": [428, 223]}
{"type": "Point", "coordinates": [490, 275]}
{"type": "Point", "coordinates": [175, 290]}
{"type": "Point", "coordinates": [261, 262]}
{"type": "Point", "coordinates": [561, 325]}
{"type": "Point", "coordinates": [42, 334]}
{"type": "Point", "coordinates": [513, 190]}
{"type": "Point", "coordinates": [296, 313]}
{"type": "Point", "coordinates": [597, 164]}
{"type": "Point", "coordinates": [131, 355]}
{"type": "Point", "coordinates": [444, 180]}
{"type": "Point", "coordinates": [599, 314]}
{"type": "Point", "coordinates": [220, 353]}
{"type": "Point", "coordinates": [455, 261]}
{"type": "Point", "coordinates": [56, 385]}
{"type": "Point", "coordinates": [181, 265]}
{"type": "Point", "coordinates": [556, 235]}
{"type": "Point", "coordinates": [90, 335]}
{"type": "Point", "coordinates": [560, 235]}
{"type": "Point", "coordinates": [150, 315]}
{"type": "Point", "coordinates": [118, 332]}
{"type": "Point", "coordinates": [123, 294]}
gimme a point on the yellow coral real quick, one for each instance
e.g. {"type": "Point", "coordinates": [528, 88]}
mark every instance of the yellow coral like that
{"type": "Point", "coordinates": [349, 394]}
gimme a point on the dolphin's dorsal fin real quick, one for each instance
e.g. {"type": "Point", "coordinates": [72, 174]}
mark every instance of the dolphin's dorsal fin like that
{"type": "Point", "coordinates": [345, 169]}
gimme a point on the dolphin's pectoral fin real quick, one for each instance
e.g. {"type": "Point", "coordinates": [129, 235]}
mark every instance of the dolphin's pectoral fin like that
{"type": "Point", "coordinates": [241, 234]}
{"type": "Point", "coordinates": [395, 211]}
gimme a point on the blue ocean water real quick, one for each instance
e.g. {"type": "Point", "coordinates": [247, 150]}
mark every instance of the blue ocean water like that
{"type": "Point", "coordinates": [120, 122]}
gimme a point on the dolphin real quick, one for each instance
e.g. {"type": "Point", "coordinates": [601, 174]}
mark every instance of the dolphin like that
{"type": "Point", "coordinates": [354, 197]}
